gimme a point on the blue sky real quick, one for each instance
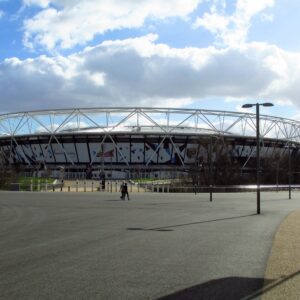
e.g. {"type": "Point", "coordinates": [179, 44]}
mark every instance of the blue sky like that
{"type": "Point", "coordinates": [210, 54]}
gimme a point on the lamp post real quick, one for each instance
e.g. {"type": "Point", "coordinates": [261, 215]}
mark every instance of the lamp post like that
{"type": "Point", "coordinates": [257, 105]}
{"type": "Point", "coordinates": [290, 147]}
{"type": "Point", "coordinates": [290, 192]}
{"type": "Point", "coordinates": [210, 170]}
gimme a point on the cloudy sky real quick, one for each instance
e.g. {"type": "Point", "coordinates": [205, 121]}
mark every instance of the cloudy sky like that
{"type": "Point", "coordinates": [210, 54]}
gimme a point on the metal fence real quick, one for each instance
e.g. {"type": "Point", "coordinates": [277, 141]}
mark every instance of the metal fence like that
{"type": "Point", "coordinates": [87, 186]}
{"type": "Point", "coordinates": [114, 186]}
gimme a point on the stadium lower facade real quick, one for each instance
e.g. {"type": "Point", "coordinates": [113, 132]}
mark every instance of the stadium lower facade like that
{"type": "Point", "coordinates": [149, 142]}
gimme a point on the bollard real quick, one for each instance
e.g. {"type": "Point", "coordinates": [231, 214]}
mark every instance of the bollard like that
{"type": "Point", "coordinates": [146, 187]}
{"type": "Point", "coordinates": [31, 185]}
{"type": "Point", "coordinates": [69, 188]}
{"type": "Point", "coordinates": [84, 186]}
{"type": "Point", "coordinates": [76, 185]}
{"type": "Point", "coordinates": [61, 188]}
{"type": "Point", "coordinates": [39, 186]}
{"type": "Point", "coordinates": [53, 188]}
{"type": "Point", "coordinates": [116, 186]}
{"type": "Point", "coordinates": [131, 187]}
{"type": "Point", "coordinates": [92, 186]}
{"type": "Point", "coordinates": [138, 187]}
{"type": "Point", "coordinates": [210, 193]}
{"type": "Point", "coordinates": [46, 186]}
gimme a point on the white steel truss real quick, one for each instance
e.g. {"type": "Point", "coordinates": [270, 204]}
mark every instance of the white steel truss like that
{"type": "Point", "coordinates": [146, 120]}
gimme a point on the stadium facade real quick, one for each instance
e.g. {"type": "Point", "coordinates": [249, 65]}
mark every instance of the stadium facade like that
{"type": "Point", "coordinates": [143, 142]}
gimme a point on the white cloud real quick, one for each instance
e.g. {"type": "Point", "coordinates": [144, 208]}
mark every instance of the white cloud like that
{"type": "Point", "coordinates": [67, 23]}
{"type": "Point", "coordinates": [41, 3]}
{"type": "Point", "coordinates": [141, 72]}
{"type": "Point", "coordinates": [231, 30]}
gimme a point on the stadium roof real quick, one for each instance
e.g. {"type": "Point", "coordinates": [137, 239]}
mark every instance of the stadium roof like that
{"type": "Point", "coordinates": [145, 120]}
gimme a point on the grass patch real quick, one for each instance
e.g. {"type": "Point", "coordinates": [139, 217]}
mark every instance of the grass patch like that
{"type": "Point", "coordinates": [144, 180]}
{"type": "Point", "coordinates": [34, 180]}
{"type": "Point", "coordinates": [25, 182]}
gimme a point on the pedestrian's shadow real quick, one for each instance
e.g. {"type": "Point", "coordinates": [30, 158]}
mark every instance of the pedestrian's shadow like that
{"type": "Point", "coordinates": [115, 200]}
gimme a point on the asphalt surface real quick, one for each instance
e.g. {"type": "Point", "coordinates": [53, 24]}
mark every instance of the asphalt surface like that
{"type": "Point", "coordinates": [155, 246]}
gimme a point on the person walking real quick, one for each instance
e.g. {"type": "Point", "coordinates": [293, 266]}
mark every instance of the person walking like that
{"type": "Point", "coordinates": [126, 191]}
{"type": "Point", "coordinates": [122, 190]}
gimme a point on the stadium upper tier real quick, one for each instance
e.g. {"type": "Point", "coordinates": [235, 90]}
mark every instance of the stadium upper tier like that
{"type": "Point", "coordinates": [137, 120]}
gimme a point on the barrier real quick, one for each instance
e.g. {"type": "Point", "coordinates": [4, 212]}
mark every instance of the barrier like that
{"type": "Point", "coordinates": [113, 186]}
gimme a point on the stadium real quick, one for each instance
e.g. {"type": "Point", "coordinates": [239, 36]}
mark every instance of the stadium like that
{"type": "Point", "coordinates": [149, 142]}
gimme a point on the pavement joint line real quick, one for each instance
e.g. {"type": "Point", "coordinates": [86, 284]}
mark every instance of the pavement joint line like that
{"type": "Point", "coordinates": [267, 287]}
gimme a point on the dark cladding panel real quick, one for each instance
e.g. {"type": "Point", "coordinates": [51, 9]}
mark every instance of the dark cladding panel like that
{"type": "Point", "coordinates": [82, 150]}
{"type": "Point", "coordinates": [8, 155]}
{"type": "Point", "coordinates": [48, 154]}
{"type": "Point", "coordinates": [124, 148]}
{"type": "Point", "coordinates": [165, 155]}
{"type": "Point", "coordinates": [70, 152]}
{"type": "Point", "coordinates": [150, 152]}
{"type": "Point", "coordinates": [137, 152]}
{"type": "Point", "coordinates": [14, 155]}
{"type": "Point", "coordinates": [28, 152]}
{"type": "Point", "coordinates": [37, 153]}
{"type": "Point", "coordinates": [178, 153]}
{"type": "Point", "coordinates": [20, 154]}
{"type": "Point", "coordinates": [58, 153]}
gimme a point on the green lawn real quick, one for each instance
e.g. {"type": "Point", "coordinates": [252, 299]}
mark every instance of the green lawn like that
{"type": "Point", "coordinates": [26, 181]}
{"type": "Point", "coordinates": [34, 180]}
{"type": "Point", "coordinates": [144, 180]}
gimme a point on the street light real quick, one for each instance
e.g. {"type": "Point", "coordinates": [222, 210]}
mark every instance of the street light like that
{"type": "Point", "coordinates": [290, 147]}
{"type": "Point", "coordinates": [257, 105]}
{"type": "Point", "coordinates": [290, 190]}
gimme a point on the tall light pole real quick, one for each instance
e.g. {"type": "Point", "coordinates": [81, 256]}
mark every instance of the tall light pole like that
{"type": "Point", "coordinates": [257, 105]}
{"type": "Point", "coordinates": [290, 147]}
{"type": "Point", "coordinates": [290, 191]}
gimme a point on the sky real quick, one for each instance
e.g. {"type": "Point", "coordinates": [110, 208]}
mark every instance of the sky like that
{"type": "Point", "coordinates": [202, 54]}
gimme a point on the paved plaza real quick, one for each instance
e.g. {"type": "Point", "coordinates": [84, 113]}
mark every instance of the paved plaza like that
{"type": "Point", "coordinates": [155, 246]}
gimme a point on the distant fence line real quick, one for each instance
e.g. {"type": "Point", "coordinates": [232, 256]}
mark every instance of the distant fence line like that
{"type": "Point", "coordinates": [87, 186]}
{"type": "Point", "coordinates": [114, 187]}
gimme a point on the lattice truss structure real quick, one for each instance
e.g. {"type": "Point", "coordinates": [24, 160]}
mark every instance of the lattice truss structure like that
{"type": "Point", "coordinates": [127, 136]}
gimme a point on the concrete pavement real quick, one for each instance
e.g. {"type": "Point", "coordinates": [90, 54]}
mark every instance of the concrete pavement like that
{"type": "Point", "coordinates": [155, 246]}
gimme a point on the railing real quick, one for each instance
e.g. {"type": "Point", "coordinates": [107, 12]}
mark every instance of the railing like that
{"type": "Point", "coordinates": [113, 186]}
